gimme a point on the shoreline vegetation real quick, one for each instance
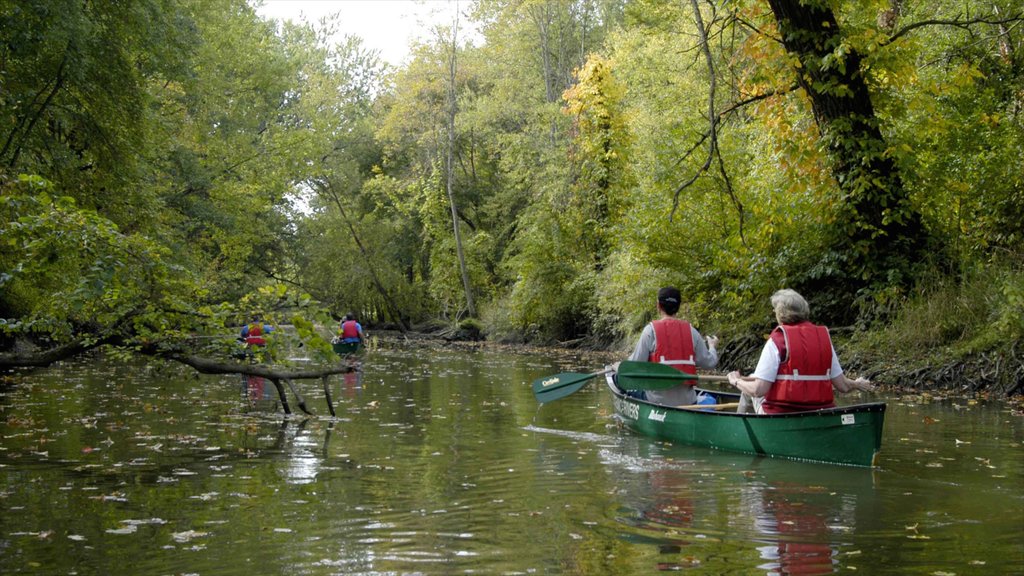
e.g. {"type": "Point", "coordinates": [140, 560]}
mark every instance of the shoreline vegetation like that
{"type": "Point", "coordinates": [995, 374]}
{"type": "Point", "coordinates": [171, 171]}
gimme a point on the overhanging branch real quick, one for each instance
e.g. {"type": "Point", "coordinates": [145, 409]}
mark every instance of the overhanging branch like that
{"type": "Point", "coordinates": [956, 23]}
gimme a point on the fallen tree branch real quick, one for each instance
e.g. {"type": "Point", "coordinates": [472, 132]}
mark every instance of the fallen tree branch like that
{"type": "Point", "coordinates": [44, 358]}
{"type": "Point", "coordinates": [208, 366]}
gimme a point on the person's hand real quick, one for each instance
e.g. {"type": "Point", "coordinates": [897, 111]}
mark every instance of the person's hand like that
{"type": "Point", "coordinates": [863, 384]}
{"type": "Point", "coordinates": [712, 342]}
{"type": "Point", "coordinates": [733, 377]}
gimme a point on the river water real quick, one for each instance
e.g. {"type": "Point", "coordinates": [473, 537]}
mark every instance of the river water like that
{"type": "Point", "coordinates": [442, 462]}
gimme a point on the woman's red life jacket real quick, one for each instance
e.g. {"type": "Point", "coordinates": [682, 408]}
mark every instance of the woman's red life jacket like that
{"type": "Point", "coordinates": [350, 329]}
{"type": "Point", "coordinates": [804, 380]}
{"type": "Point", "coordinates": [673, 345]}
{"type": "Point", "coordinates": [255, 335]}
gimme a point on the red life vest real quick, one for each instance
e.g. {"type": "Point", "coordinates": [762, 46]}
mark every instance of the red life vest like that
{"type": "Point", "coordinates": [255, 335]}
{"type": "Point", "coordinates": [804, 380]}
{"type": "Point", "coordinates": [673, 345]}
{"type": "Point", "coordinates": [350, 330]}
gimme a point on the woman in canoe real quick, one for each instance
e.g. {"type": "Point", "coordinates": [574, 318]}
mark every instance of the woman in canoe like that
{"type": "Point", "coordinates": [675, 342]}
{"type": "Point", "coordinates": [798, 369]}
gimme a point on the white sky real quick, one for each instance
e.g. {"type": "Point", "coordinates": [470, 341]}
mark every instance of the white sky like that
{"type": "Point", "coordinates": [385, 25]}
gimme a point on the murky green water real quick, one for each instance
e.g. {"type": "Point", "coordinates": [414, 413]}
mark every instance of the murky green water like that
{"type": "Point", "coordinates": [442, 463]}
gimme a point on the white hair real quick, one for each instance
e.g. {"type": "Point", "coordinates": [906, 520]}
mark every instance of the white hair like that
{"type": "Point", "coordinates": [790, 307]}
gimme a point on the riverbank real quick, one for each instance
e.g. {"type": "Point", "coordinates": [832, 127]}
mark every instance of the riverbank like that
{"type": "Point", "coordinates": [997, 373]}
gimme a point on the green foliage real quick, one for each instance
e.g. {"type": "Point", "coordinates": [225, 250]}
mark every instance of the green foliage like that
{"type": "Point", "coordinates": [70, 268]}
{"type": "Point", "coordinates": [188, 161]}
{"type": "Point", "coordinates": [956, 318]}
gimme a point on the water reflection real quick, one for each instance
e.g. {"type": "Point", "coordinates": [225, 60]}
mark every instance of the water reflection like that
{"type": "Point", "coordinates": [260, 393]}
{"type": "Point", "coordinates": [792, 517]}
{"type": "Point", "coordinates": [444, 464]}
{"type": "Point", "coordinates": [352, 384]}
{"type": "Point", "coordinates": [684, 504]}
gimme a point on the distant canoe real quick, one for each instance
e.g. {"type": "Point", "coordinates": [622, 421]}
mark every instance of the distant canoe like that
{"type": "Point", "coordinates": [346, 347]}
{"type": "Point", "coordinates": [843, 435]}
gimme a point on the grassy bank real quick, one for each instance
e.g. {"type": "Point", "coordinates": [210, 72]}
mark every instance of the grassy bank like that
{"type": "Point", "coordinates": [956, 334]}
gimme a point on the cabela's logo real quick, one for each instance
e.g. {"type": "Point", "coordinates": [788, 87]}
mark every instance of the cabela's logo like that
{"type": "Point", "coordinates": [657, 416]}
{"type": "Point", "coordinates": [549, 382]}
{"type": "Point", "coordinates": [627, 409]}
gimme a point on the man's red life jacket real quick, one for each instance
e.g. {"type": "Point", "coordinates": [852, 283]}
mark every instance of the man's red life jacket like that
{"type": "Point", "coordinates": [255, 335]}
{"type": "Point", "coordinates": [673, 345]}
{"type": "Point", "coordinates": [804, 380]}
{"type": "Point", "coordinates": [349, 329]}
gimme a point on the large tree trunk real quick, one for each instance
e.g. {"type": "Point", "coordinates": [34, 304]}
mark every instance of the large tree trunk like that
{"type": "Point", "coordinates": [450, 172]}
{"type": "Point", "coordinates": [326, 186]}
{"type": "Point", "coordinates": [879, 234]}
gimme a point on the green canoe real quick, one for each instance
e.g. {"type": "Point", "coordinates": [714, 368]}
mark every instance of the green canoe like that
{"type": "Point", "coordinates": [346, 347]}
{"type": "Point", "coordinates": [843, 435]}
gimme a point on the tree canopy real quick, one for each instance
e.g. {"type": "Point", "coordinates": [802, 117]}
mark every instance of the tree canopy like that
{"type": "Point", "coordinates": [173, 169]}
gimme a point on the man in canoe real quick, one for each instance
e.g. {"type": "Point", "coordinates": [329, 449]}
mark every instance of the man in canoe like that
{"type": "Point", "coordinates": [798, 369]}
{"type": "Point", "coordinates": [669, 340]}
{"type": "Point", "coordinates": [255, 333]}
{"type": "Point", "coordinates": [350, 331]}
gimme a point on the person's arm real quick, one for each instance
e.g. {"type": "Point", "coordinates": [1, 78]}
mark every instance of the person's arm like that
{"type": "Point", "coordinates": [644, 346]}
{"type": "Point", "coordinates": [749, 385]}
{"type": "Point", "coordinates": [758, 383]}
{"type": "Point", "coordinates": [843, 384]}
{"type": "Point", "coordinates": [705, 355]}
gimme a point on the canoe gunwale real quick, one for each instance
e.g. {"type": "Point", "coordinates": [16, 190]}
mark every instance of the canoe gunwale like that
{"type": "Point", "coordinates": [620, 393]}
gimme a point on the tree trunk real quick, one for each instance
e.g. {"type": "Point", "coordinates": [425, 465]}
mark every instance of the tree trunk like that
{"type": "Point", "coordinates": [450, 169]}
{"type": "Point", "coordinates": [878, 234]}
{"type": "Point", "coordinates": [325, 185]}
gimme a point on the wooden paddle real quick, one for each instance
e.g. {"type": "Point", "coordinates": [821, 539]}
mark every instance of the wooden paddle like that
{"type": "Point", "coordinates": [552, 388]}
{"type": "Point", "coordinates": [655, 376]}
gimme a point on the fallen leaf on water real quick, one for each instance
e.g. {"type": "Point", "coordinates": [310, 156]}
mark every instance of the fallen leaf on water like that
{"type": "Point", "coordinates": [143, 521]}
{"type": "Point", "coordinates": [187, 535]}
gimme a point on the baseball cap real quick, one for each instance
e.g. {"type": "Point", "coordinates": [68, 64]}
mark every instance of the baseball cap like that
{"type": "Point", "coordinates": [669, 295]}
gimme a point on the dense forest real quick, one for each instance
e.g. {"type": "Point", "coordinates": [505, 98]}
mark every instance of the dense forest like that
{"type": "Point", "coordinates": [170, 169]}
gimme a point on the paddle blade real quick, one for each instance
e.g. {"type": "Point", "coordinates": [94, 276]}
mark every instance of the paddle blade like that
{"type": "Point", "coordinates": [552, 388]}
{"type": "Point", "coordinates": [651, 376]}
